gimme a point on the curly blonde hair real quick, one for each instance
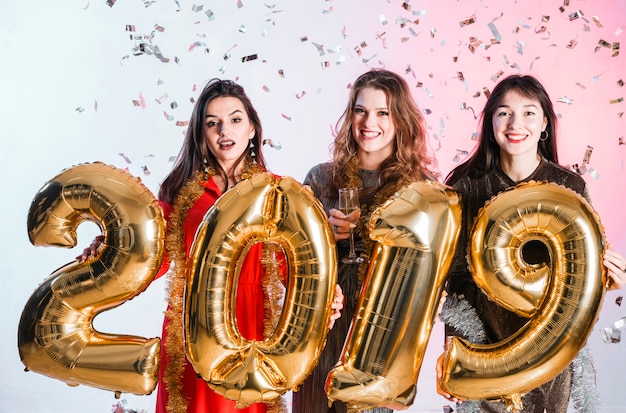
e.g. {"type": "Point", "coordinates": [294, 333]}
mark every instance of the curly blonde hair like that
{"type": "Point", "coordinates": [410, 160]}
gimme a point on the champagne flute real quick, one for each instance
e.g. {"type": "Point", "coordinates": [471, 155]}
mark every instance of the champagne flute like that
{"type": "Point", "coordinates": [348, 203]}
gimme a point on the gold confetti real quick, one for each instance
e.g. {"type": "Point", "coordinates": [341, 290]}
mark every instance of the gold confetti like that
{"type": "Point", "coordinates": [596, 20]}
{"type": "Point", "coordinates": [182, 122]}
{"type": "Point", "coordinates": [620, 141]}
{"type": "Point", "coordinates": [575, 15]}
{"type": "Point", "coordinates": [615, 49]}
{"type": "Point", "coordinates": [618, 100]}
{"type": "Point", "coordinates": [604, 43]}
{"type": "Point", "coordinates": [467, 22]}
{"type": "Point", "coordinates": [572, 43]}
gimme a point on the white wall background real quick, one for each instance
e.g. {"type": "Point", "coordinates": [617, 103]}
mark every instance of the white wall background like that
{"type": "Point", "coordinates": [69, 74]}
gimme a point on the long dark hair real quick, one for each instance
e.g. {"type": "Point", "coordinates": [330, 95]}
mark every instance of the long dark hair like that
{"type": "Point", "coordinates": [410, 160]}
{"type": "Point", "coordinates": [195, 149]}
{"type": "Point", "coordinates": [486, 156]}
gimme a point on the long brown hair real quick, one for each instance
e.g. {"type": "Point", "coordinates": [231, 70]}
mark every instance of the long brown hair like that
{"type": "Point", "coordinates": [486, 156]}
{"type": "Point", "coordinates": [410, 160]}
{"type": "Point", "coordinates": [195, 149]}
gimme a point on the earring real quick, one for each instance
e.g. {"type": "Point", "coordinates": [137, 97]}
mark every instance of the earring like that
{"type": "Point", "coordinates": [206, 166]}
{"type": "Point", "coordinates": [541, 137]}
{"type": "Point", "coordinates": [252, 154]}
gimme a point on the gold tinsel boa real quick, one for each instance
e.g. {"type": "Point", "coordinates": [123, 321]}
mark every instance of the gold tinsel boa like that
{"type": "Point", "coordinates": [175, 246]}
{"type": "Point", "coordinates": [362, 226]}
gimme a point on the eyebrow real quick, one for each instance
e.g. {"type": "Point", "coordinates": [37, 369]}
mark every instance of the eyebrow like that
{"type": "Point", "coordinates": [363, 107]}
{"type": "Point", "coordinates": [532, 105]}
{"type": "Point", "coordinates": [208, 115]}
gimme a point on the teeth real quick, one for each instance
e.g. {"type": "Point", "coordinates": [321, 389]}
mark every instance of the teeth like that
{"type": "Point", "coordinates": [370, 134]}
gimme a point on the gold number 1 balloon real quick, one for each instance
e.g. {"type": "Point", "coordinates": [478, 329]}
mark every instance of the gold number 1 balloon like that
{"type": "Point", "coordinates": [56, 336]}
{"type": "Point", "coordinates": [261, 209]}
{"type": "Point", "coordinates": [562, 299]}
{"type": "Point", "coordinates": [415, 233]}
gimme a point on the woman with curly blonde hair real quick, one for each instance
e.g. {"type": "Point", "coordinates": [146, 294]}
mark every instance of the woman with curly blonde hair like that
{"type": "Point", "coordinates": [380, 147]}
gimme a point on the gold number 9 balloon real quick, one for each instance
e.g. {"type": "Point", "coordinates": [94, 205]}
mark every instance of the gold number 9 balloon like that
{"type": "Point", "coordinates": [563, 298]}
{"type": "Point", "coordinates": [415, 233]}
{"type": "Point", "coordinates": [56, 336]}
{"type": "Point", "coordinates": [261, 209]}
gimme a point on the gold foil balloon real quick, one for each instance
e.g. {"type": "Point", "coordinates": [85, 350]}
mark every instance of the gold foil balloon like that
{"type": "Point", "coordinates": [416, 233]}
{"type": "Point", "coordinates": [262, 209]}
{"type": "Point", "coordinates": [563, 298]}
{"type": "Point", "coordinates": [56, 337]}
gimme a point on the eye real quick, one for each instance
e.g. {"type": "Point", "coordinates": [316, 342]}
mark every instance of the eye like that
{"type": "Point", "coordinates": [236, 120]}
{"type": "Point", "coordinates": [383, 113]}
{"type": "Point", "coordinates": [211, 123]}
{"type": "Point", "coordinates": [359, 111]}
{"type": "Point", "coordinates": [529, 113]}
{"type": "Point", "coordinates": [502, 113]}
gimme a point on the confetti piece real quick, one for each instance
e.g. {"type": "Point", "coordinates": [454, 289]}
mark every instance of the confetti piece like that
{"type": "Point", "coordinates": [168, 116]}
{"type": "Point", "coordinates": [448, 409]}
{"type": "Point", "coordinates": [475, 136]}
{"type": "Point", "coordinates": [145, 169]}
{"type": "Point", "coordinates": [174, 105]}
{"type": "Point", "coordinates": [242, 29]}
{"type": "Point", "coordinates": [382, 19]}
{"type": "Point", "coordinates": [613, 334]}
{"type": "Point", "coordinates": [495, 32]}
{"type": "Point", "coordinates": [566, 100]}
{"type": "Point", "coordinates": [618, 100]}
{"type": "Point", "coordinates": [272, 144]}
{"type": "Point", "coordinates": [110, 3]}
{"type": "Point", "coordinates": [142, 101]}
{"type": "Point", "coordinates": [572, 43]}
{"type": "Point", "coordinates": [239, 4]}
{"type": "Point", "coordinates": [202, 46]}
{"type": "Point", "coordinates": [460, 154]}
{"type": "Point", "coordinates": [615, 49]}
{"type": "Point", "coordinates": [320, 48]}
{"type": "Point", "coordinates": [285, 116]}
{"type": "Point", "coordinates": [520, 47]}
{"type": "Point", "coordinates": [618, 301]}
{"type": "Point", "coordinates": [196, 8]}
{"type": "Point", "coordinates": [300, 95]}
{"type": "Point", "coordinates": [575, 15]}
{"type": "Point", "coordinates": [467, 22]}
{"type": "Point", "coordinates": [249, 58]}
{"type": "Point", "coordinates": [330, 10]}
{"type": "Point", "coordinates": [406, 6]}
{"type": "Point", "coordinates": [182, 122]}
{"type": "Point", "coordinates": [209, 13]}
{"type": "Point", "coordinates": [596, 20]}
{"type": "Point", "coordinates": [80, 109]}
{"type": "Point", "coordinates": [621, 141]}
{"type": "Point", "coordinates": [161, 99]}
{"type": "Point", "coordinates": [126, 158]}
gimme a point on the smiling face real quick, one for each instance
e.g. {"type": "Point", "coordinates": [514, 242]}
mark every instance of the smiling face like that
{"type": "Point", "coordinates": [517, 125]}
{"type": "Point", "coordinates": [372, 127]}
{"type": "Point", "coordinates": [228, 130]}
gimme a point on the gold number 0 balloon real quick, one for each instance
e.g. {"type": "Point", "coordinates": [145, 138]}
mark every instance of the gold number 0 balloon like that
{"type": "Point", "coordinates": [415, 233]}
{"type": "Point", "coordinates": [56, 337]}
{"type": "Point", "coordinates": [260, 209]}
{"type": "Point", "coordinates": [563, 299]}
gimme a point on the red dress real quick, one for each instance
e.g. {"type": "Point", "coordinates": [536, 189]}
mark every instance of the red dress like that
{"type": "Point", "coordinates": [250, 312]}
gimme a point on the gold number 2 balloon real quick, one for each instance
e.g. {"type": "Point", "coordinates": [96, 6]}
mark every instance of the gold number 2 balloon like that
{"type": "Point", "coordinates": [563, 299]}
{"type": "Point", "coordinates": [416, 233]}
{"type": "Point", "coordinates": [260, 209]}
{"type": "Point", "coordinates": [56, 337]}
